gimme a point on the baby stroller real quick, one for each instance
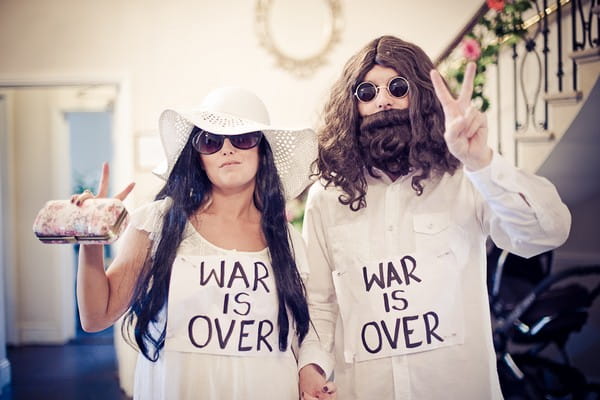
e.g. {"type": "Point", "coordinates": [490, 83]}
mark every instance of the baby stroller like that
{"type": "Point", "coordinates": [533, 308]}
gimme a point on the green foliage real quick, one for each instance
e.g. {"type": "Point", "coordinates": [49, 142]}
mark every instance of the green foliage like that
{"type": "Point", "coordinates": [82, 183]}
{"type": "Point", "coordinates": [493, 31]}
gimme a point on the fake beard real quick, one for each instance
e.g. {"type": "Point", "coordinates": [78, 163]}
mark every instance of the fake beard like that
{"type": "Point", "coordinates": [384, 141]}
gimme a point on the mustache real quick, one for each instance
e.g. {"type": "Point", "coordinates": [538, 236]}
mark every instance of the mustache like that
{"type": "Point", "coordinates": [384, 119]}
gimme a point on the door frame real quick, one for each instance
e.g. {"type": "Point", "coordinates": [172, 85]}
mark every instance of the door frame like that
{"type": "Point", "coordinates": [123, 150]}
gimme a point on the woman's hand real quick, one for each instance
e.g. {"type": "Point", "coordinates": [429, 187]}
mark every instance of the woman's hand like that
{"type": "Point", "coordinates": [313, 384]}
{"type": "Point", "coordinates": [466, 127]}
{"type": "Point", "coordinates": [78, 199]}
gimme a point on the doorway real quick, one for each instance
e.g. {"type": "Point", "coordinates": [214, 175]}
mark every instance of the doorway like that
{"type": "Point", "coordinates": [90, 145]}
{"type": "Point", "coordinates": [52, 136]}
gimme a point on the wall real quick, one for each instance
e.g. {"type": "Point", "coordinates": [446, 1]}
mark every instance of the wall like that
{"type": "Point", "coordinates": [40, 161]}
{"type": "Point", "coordinates": [173, 54]}
{"type": "Point", "coordinates": [5, 257]}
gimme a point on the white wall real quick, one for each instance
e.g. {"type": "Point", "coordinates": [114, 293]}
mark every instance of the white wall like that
{"type": "Point", "coordinates": [4, 237]}
{"type": "Point", "coordinates": [175, 53]}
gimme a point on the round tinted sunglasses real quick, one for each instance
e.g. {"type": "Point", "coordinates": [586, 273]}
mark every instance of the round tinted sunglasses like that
{"type": "Point", "coordinates": [397, 87]}
{"type": "Point", "coordinates": [209, 143]}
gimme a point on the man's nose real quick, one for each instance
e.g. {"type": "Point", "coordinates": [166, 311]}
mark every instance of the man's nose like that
{"type": "Point", "coordinates": [383, 100]}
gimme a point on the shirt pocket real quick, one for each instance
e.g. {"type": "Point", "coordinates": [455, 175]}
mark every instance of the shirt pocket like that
{"type": "Point", "coordinates": [349, 250]}
{"type": "Point", "coordinates": [349, 245]}
{"type": "Point", "coordinates": [439, 237]}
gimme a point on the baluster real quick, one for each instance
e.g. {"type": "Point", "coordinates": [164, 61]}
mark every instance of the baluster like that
{"type": "Point", "coordinates": [498, 106]}
{"type": "Point", "coordinates": [560, 72]}
{"type": "Point", "coordinates": [585, 26]}
{"type": "Point", "coordinates": [595, 42]}
{"type": "Point", "coordinates": [546, 50]}
{"type": "Point", "coordinates": [515, 89]}
{"type": "Point", "coordinates": [574, 40]}
{"type": "Point", "coordinates": [515, 104]}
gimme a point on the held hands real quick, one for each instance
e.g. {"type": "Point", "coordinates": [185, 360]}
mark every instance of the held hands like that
{"type": "Point", "coordinates": [466, 127]}
{"type": "Point", "coordinates": [313, 385]}
{"type": "Point", "coordinates": [78, 199]}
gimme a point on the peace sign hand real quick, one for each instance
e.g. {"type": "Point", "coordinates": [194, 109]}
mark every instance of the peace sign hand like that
{"type": "Point", "coordinates": [466, 127]}
{"type": "Point", "coordinates": [78, 199]}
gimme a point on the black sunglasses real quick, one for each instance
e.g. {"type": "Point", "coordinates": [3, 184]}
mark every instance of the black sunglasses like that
{"type": "Point", "coordinates": [209, 143]}
{"type": "Point", "coordinates": [397, 86]}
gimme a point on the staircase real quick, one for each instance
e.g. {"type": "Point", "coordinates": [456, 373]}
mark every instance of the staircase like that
{"type": "Point", "coordinates": [545, 118]}
{"type": "Point", "coordinates": [554, 132]}
{"type": "Point", "coordinates": [573, 162]}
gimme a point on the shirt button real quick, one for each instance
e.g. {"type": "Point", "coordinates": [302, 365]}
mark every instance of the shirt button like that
{"type": "Point", "coordinates": [390, 228]}
{"type": "Point", "coordinates": [430, 226]}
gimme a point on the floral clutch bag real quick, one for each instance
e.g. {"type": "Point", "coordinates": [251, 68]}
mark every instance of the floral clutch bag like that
{"type": "Point", "coordinates": [97, 221]}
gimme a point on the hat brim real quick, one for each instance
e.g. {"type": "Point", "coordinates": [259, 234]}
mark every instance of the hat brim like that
{"type": "Point", "coordinates": [294, 150]}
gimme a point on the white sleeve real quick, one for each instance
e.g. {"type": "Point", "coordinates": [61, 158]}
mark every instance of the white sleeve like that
{"type": "Point", "coordinates": [523, 212]}
{"type": "Point", "coordinates": [299, 249]}
{"type": "Point", "coordinates": [149, 218]}
{"type": "Point", "coordinates": [317, 347]}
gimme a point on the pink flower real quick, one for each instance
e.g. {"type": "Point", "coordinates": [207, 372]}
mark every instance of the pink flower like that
{"type": "Point", "coordinates": [497, 5]}
{"type": "Point", "coordinates": [471, 49]}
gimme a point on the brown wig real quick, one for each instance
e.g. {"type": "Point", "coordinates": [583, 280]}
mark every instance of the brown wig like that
{"type": "Point", "coordinates": [340, 161]}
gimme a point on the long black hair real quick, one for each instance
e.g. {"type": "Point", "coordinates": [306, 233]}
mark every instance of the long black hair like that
{"type": "Point", "coordinates": [189, 188]}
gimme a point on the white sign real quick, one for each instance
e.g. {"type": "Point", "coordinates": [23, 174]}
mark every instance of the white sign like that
{"type": "Point", "coordinates": [400, 305]}
{"type": "Point", "coordinates": [224, 305]}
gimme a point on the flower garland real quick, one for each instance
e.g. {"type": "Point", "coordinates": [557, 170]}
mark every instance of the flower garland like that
{"type": "Point", "coordinates": [502, 25]}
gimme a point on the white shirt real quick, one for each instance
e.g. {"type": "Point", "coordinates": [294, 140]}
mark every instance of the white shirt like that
{"type": "Point", "coordinates": [217, 371]}
{"type": "Point", "coordinates": [419, 329]}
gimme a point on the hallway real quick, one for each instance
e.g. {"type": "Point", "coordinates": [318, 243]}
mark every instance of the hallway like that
{"type": "Point", "coordinates": [83, 369]}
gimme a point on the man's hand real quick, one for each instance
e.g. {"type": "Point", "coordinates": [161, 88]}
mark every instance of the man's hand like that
{"type": "Point", "coordinates": [466, 127]}
{"type": "Point", "coordinates": [313, 385]}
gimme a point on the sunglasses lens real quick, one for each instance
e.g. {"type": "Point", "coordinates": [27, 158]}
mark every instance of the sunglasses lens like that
{"type": "Point", "coordinates": [246, 141]}
{"type": "Point", "coordinates": [366, 91]}
{"type": "Point", "coordinates": [207, 143]}
{"type": "Point", "coordinates": [398, 87]}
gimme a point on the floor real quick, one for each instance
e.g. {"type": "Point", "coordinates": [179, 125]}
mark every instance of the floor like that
{"type": "Point", "coordinates": [86, 369]}
{"type": "Point", "coordinates": [83, 369]}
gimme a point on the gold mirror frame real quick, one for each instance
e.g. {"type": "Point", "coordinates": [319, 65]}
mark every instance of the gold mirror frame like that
{"type": "Point", "coordinates": [305, 66]}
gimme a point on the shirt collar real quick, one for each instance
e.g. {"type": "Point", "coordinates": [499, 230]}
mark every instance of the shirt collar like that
{"type": "Point", "coordinates": [384, 179]}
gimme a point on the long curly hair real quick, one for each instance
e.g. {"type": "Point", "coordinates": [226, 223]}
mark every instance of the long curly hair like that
{"type": "Point", "coordinates": [340, 162]}
{"type": "Point", "coordinates": [189, 188]}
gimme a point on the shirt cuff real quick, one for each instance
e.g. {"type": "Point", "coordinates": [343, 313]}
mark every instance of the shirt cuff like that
{"type": "Point", "coordinates": [498, 177]}
{"type": "Point", "coordinates": [313, 354]}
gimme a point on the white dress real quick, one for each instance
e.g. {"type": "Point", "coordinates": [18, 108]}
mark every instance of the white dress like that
{"type": "Point", "coordinates": [222, 336]}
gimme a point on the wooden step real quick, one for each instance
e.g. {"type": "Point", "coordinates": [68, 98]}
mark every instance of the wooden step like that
{"type": "Point", "coordinates": [586, 56]}
{"type": "Point", "coordinates": [570, 97]}
{"type": "Point", "coordinates": [535, 137]}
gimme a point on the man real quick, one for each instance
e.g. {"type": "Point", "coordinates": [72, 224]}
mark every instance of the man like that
{"type": "Point", "coordinates": [409, 191]}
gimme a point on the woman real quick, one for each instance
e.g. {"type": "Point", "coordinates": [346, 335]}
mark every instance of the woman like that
{"type": "Point", "coordinates": [209, 274]}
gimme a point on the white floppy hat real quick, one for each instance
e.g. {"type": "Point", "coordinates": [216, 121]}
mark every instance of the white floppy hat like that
{"type": "Point", "coordinates": [235, 111]}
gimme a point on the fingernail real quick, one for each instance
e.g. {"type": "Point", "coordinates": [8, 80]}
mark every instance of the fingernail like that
{"type": "Point", "coordinates": [78, 202]}
{"type": "Point", "coordinates": [325, 389]}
